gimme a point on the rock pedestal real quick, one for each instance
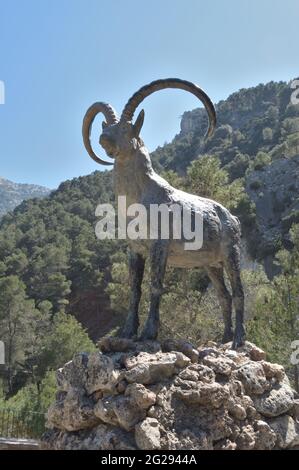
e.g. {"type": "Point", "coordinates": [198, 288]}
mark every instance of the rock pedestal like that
{"type": "Point", "coordinates": [133, 395]}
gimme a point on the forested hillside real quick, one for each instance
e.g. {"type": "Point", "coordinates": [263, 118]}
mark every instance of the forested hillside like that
{"type": "Point", "coordinates": [58, 280]}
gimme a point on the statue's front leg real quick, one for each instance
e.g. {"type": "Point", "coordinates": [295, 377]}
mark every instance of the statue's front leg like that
{"type": "Point", "coordinates": [158, 260]}
{"type": "Point", "coordinates": [136, 270]}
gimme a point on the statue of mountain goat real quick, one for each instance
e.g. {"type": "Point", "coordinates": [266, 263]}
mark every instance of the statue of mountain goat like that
{"type": "Point", "coordinates": [135, 178]}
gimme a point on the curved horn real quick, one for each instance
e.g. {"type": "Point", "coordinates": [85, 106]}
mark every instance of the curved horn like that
{"type": "Point", "coordinates": [91, 113]}
{"type": "Point", "coordinates": [157, 85]}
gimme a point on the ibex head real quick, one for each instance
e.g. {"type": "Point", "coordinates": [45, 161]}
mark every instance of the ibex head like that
{"type": "Point", "coordinates": [120, 135]}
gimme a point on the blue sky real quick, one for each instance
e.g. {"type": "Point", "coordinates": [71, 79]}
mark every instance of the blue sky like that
{"type": "Point", "coordinates": [59, 56]}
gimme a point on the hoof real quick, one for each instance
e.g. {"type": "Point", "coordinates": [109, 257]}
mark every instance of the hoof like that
{"type": "Point", "coordinates": [125, 335]}
{"type": "Point", "coordinates": [148, 336]}
{"type": "Point", "coordinates": [129, 331]}
{"type": "Point", "coordinates": [128, 334]}
{"type": "Point", "coordinates": [227, 337]}
{"type": "Point", "coordinates": [239, 339]}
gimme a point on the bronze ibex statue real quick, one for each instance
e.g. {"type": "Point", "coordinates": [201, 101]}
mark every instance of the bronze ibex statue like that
{"type": "Point", "coordinates": [135, 178]}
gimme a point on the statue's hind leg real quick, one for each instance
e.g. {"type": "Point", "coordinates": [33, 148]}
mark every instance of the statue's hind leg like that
{"type": "Point", "coordinates": [232, 266]}
{"type": "Point", "coordinates": [136, 270]}
{"type": "Point", "coordinates": [158, 260]}
{"type": "Point", "coordinates": [216, 275]}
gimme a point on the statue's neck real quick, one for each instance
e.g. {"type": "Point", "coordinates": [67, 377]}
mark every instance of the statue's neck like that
{"type": "Point", "coordinates": [131, 174]}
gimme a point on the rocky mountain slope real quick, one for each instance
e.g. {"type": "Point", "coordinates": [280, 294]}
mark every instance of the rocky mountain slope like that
{"type": "Point", "coordinates": [12, 194]}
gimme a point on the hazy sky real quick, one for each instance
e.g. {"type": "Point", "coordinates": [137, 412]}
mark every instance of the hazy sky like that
{"type": "Point", "coordinates": [59, 56]}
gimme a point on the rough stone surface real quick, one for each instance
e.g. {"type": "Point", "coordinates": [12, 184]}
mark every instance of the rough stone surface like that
{"type": "Point", "coordinates": [183, 346]}
{"type": "Point", "coordinates": [140, 396]}
{"type": "Point", "coordinates": [265, 437]}
{"type": "Point", "coordinates": [295, 410]}
{"type": "Point", "coordinates": [273, 371]}
{"type": "Point", "coordinates": [286, 430]}
{"type": "Point", "coordinates": [150, 396]}
{"type": "Point", "coordinates": [147, 434]}
{"type": "Point", "coordinates": [72, 411]}
{"type": "Point", "coordinates": [278, 400]}
{"type": "Point", "coordinates": [220, 365]}
{"type": "Point", "coordinates": [90, 372]}
{"type": "Point", "coordinates": [150, 368]}
{"type": "Point", "coordinates": [252, 377]}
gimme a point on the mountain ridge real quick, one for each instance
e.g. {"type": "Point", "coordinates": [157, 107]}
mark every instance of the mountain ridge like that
{"type": "Point", "coordinates": [12, 194]}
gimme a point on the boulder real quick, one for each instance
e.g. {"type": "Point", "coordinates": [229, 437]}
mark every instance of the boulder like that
{"type": "Point", "coordinates": [265, 437]}
{"type": "Point", "coordinates": [183, 346]}
{"type": "Point", "coordinates": [101, 373]}
{"type": "Point", "coordinates": [253, 377]}
{"type": "Point", "coordinates": [72, 411]}
{"type": "Point", "coordinates": [147, 434]}
{"type": "Point", "coordinates": [211, 394]}
{"type": "Point", "coordinates": [286, 430]}
{"type": "Point", "coordinates": [221, 364]}
{"type": "Point", "coordinates": [141, 396]}
{"type": "Point", "coordinates": [254, 352]}
{"type": "Point", "coordinates": [150, 368]}
{"type": "Point", "coordinates": [273, 371]}
{"type": "Point", "coordinates": [276, 401]}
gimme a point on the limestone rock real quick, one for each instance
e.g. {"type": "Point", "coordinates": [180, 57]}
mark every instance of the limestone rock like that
{"type": "Point", "coordinates": [197, 373]}
{"type": "Point", "coordinates": [246, 438]}
{"type": "Point", "coordinates": [100, 437]}
{"type": "Point", "coordinates": [147, 434]}
{"type": "Point", "coordinates": [225, 444]}
{"type": "Point", "coordinates": [213, 395]}
{"type": "Point", "coordinates": [253, 378]}
{"type": "Point", "coordinates": [275, 371]}
{"type": "Point", "coordinates": [183, 346]}
{"type": "Point", "coordinates": [275, 402]}
{"type": "Point", "coordinates": [208, 351]}
{"type": "Point", "coordinates": [141, 396]}
{"type": "Point", "coordinates": [91, 372]}
{"type": "Point", "coordinates": [265, 437]}
{"type": "Point", "coordinates": [286, 430]}
{"type": "Point", "coordinates": [119, 411]}
{"type": "Point", "coordinates": [255, 353]}
{"type": "Point", "coordinates": [104, 410]}
{"type": "Point", "coordinates": [220, 365]}
{"type": "Point", "coordinates": [72, 411]}
{"type": "Point", "coordinates": [150, 368]}
{"type": "Point", "coordinates": [236, 409]}
{"type": "Point", "coordinates": [73, 374]}
{"type": "Point", "coordinates": [101, 373]}
{"type": "Point", "coordinates": [294, 411]}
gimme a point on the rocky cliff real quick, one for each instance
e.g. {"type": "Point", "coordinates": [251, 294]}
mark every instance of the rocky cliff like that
{"type": "Point", "coordinates": [12, 194]}
{"type": "Point", "coordinates": [134, 395]}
